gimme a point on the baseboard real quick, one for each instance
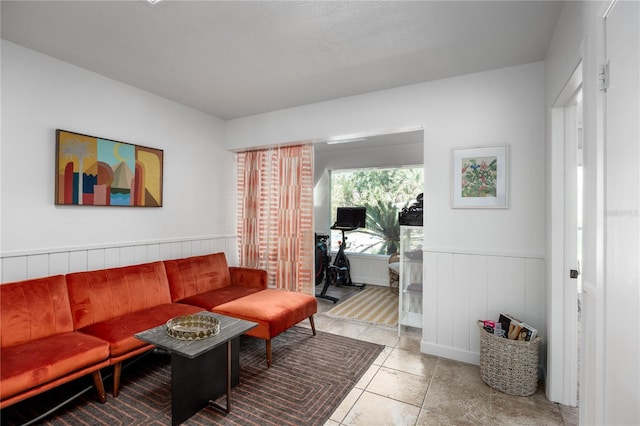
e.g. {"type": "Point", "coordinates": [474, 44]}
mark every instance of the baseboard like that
{"type": "Point", "coordinates": [450, 353]}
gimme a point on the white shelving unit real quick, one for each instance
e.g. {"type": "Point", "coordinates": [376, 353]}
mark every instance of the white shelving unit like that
{"type": "Point", "coordinates": [411, 277]}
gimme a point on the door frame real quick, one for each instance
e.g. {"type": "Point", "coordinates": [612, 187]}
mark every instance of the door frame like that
{"type": "Point", "coordinates": [561, 380]}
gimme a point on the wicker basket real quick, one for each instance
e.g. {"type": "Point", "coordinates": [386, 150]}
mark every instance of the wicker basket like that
{"type": "Point", "coordinates": [510, 366]}
{"type": "Point", "coordinates": [394, 275]}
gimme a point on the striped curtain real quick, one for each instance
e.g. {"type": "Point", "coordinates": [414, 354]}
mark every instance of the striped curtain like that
{"type": "Point", "coordinates": [275, 209]}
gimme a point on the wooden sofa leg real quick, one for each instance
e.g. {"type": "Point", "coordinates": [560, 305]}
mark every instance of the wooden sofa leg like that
{"type": "Point", "coordinates": [313, 325]}
{"type": "Point", "coordinates": [268, 352]}
{"type": "Point", "coordinates": [117, 371]}
{"type": "Point", "coordinates": [97, 382]}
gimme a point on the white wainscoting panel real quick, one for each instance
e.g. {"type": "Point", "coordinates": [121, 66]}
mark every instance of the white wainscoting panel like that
{"type": "Point", "coordinates": [24, 265]}
{"type": "Point", "coordinates": [461, 288]}
{"type": "Point", "coordinates": [368, 269]}
{"type": "Point", "coordinates": [38, 265]}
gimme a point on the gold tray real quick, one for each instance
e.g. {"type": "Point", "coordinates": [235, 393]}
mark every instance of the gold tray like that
{"type": "Point", "coordinates": [193, 327]}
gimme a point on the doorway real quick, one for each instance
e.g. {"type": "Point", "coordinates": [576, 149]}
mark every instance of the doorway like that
{"type": "Point", "coordinates": [573, 209]}
{"type": "Point", "coordinates": [368, 151]}
{"type": "Point", "coordinates": [566, 236]}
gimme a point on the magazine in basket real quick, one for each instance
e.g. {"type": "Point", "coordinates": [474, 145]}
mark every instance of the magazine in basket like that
{"type": "Point", "coordinates": [516, 329]}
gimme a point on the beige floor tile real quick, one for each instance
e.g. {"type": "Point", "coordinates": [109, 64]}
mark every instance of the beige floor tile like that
{"type": "Point", "coordinates": [514, 412]}
{"type": "Point", "coordinates": [367, 376]}
{"type": "Point", "coordinates": [538, 400]}
{"type": "Point", "coordinates": [458, 403]}
{"type": "Point", "coordinates": [410, 341]}
{"type": "Point", "coordinates": [383, 355]}
{"type": "Point", "coordinates": [570, 415]}
{"type": "Point", "coordinates": [411, 331]}
{"type": "Point", "coordinates": [347, 329]}
{"type": "Point", "coordinates": [411, 362]}
{"type": "Point", "coordinates": [376, 410]}
{"type": "Point", "coordinates": [383, 335]}
{"type": "Point", "coordinates": [398, 385]}
{"type": "Point", "coordinates": [525, 409]}
{"type": "Point", "coordinates": [460, 375]}
{"type": "Point", "coordinates": [432, 418]}
{"type": "Point", "coordinates": [455, 394]}
{"type": "Point", "coordinates": [346, 405]}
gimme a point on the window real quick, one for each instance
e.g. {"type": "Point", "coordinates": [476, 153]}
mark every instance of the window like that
{"type": "Point", "coordinates": [384, 192]}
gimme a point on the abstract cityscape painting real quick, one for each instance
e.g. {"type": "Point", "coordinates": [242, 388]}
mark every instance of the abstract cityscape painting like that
{"type": "Point", "coordinates": [101, 172]}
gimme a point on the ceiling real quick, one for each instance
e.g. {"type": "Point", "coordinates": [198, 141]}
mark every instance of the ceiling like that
{"type": "Point", "coordinates": [368, 141]}
{"type": "Point", "coordinates": [239, 58]}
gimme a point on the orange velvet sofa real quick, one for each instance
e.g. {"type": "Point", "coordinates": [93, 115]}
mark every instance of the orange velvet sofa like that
{"type": "Point", "coordinates": [39, 347]}
{"type": "Point", "coordinates": [58, 328]}
{"type": "Point", "coordinates": [114, 304]}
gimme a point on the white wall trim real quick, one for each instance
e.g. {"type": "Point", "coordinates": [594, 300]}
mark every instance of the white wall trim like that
{"type": "Point", "coordinates": [17, 266]}
{"type": "Point", "coordinates": [450, 353]}
{"type": "Point", "coordinates": [483, 253]}
{"type": "Point", "coordinates": [33, 252]}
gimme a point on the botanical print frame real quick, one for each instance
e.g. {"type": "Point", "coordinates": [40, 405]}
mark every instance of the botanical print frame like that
{"type": "Point", "coordinates": [480, 177]}
{"type": "Point", "coordinates": [103, 172]}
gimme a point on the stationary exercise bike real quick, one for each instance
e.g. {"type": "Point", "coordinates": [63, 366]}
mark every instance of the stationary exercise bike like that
{"type": "Point", "coordinates": [323, 263]}
{"type": "Point", "coordinates": [339, 273]}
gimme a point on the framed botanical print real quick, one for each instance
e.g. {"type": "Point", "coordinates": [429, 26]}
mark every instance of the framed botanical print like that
{"type": "Point", "coordinates": [480, 177]}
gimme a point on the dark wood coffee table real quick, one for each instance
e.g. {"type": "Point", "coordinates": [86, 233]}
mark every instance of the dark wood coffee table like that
{"type": "Point", "coordinates": [196, 365]}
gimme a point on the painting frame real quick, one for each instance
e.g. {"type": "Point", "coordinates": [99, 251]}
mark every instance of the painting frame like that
{"type": "Point", "coordinates": [95, 171]}
{"type": "Point", "coordinates": [480, 177]}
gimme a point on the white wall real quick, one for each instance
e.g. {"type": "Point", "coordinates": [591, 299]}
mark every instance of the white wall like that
{"type": "Point", "coordinates": [503, 106]}
{"type": "Point", "coordinates": [495, 107]}
{"type": "Point", "coordinates": [41, 94]}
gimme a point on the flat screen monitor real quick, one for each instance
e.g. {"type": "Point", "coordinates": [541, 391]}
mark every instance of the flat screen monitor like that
{"type": "Point", "coordinates": [351, 217]}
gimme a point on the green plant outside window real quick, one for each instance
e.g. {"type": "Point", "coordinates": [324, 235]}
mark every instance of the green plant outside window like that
{"type": "Point", "coordinates": [384, 192]}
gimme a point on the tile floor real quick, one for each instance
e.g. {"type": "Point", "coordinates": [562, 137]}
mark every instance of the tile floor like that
{"type": "Point", "coordinates": [406, 387]}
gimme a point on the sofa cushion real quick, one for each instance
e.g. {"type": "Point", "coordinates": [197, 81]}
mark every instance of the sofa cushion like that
{"type": "Point", "coordinates": [197, 274]}
{"type": "Point", "coordinates": [211, 299]}
{"type": "Point", "coordinates": [102, 295]}
{"type": "Point", "coordinates": [43, 360]}
{"type": "Point", "coordinates": [274, 310]}
{"type": "Point", "coordinates": [119, 331]}
{"type": "Point", "coordinates": [33, 309]}
{"type": "Point", "coordinates": [248, 277]}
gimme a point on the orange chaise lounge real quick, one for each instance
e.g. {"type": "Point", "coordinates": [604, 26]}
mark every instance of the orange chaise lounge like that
{"type": "Point", "coordinates": [274, 310]}
{"type": "Point", "coordinates": [206, 281]}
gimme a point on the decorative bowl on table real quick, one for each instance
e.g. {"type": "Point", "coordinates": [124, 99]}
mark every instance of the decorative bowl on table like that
{"type": "Point", "coordinates": [193, 327]}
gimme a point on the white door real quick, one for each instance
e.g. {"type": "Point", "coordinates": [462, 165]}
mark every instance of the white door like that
{"type": "Point", "coordinates": [572, 245]}
{"type": "Point", "coordinates": [562, 365]}
{"type": "Point", "coordinates": [621, 198]}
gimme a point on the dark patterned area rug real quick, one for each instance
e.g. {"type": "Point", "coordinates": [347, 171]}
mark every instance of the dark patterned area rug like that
{"type": "Point", "coordinates": [307, 380]}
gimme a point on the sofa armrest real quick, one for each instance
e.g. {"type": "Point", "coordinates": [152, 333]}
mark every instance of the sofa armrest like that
{"type": "Point", "coordinates": [248, 277]}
